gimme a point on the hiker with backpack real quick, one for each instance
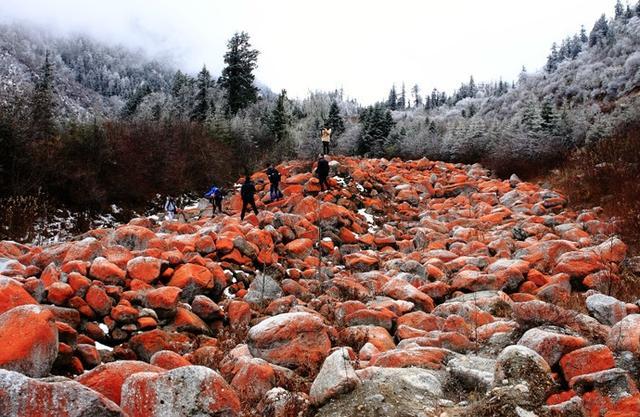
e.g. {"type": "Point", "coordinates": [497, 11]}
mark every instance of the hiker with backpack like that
{"type": "Point", "coordinates": [215, 196]}
{"type": "Point", "coordinates": [322, 170]}
{"type": "Point", "coordinates": [274, 179]}
{"type": "Point", "coordinates": [325, 136]}
{"type": "Point", "coordinates": [247, 192]}
{"type": "Point", "coordinates": [170, 208]}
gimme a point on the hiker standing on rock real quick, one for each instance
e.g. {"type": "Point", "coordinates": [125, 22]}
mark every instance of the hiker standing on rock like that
{"type": "Point", "coordinates": [215, 196]}
{"type": "Point", "coordinates": [170, 208]}
{"type": "Point", "coordinates": [274, 178]}
{"type": "Point", "coordinates": [247, 192]}
{"type": "Point", "coordinates": [325, 135]}
{"type": "Point", "coordinates": [323, 172]}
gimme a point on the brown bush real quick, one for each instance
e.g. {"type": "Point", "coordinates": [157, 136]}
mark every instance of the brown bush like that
{"type": "Point", "coordinates": [607, 174]}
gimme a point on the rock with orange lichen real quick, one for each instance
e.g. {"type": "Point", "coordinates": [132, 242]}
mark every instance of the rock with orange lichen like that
{"type": "Point", "coordinates": [28, 340]}
{"type": "Point", "coordinates": [290, 339]}
{"type": "Point", "coordinates": [107, 379]}
{"type": "Point", "coordinates": [183, 391]}
{"type": "Point", "coordinates": [23, 396]}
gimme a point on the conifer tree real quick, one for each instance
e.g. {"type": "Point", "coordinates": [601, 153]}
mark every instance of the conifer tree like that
{"type": "Point", "coordinates": [552, 59]}
{"type": "Point", "coordinates": [334, 120]}
{"type": "Point", "coordinates": [417, 99]}
{"type": "Point", "coordinates": [600, 31]}
{"type": "Point", "coordinates": [392, 101]}
{"type": "Point", "coordinates": [42, 105]}
{"type": "Point", "coordinates": [530, 119]}
{"type": "Point", "coordinates": [201, 107]}
{"type": "Point", "coordinates": [619, 10]}
{"type": "Point", "coordinates": [402, 100]}
{"type": "Point", "coordinates": [237, 77]}
{"type": "Point", "coordinates": [280, 120]}
{"type": "Point", "coordinates": [473, 90]}
{"type": "Point", "coordinates": [583, 34]}
{"type": "Point", "coordinates": [549, 118]}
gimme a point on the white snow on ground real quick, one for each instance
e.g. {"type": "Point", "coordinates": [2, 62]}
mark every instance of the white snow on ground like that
{"type": "Point", "coordinates": [360, 187]}
{"type": "Point", "coordinates": [341, 182]}
{"type": "Point", "coordinates": [100, 346]}
{"type": "Point", "coordinates": [115, 209]}
{"type": "Point", "coordinates": [370, 220]}
{"type": "Point", "coordinates": [104, 328]}
{"type": "Point", "coordinates": [326, 239]}
{"type": "Point", "coordinates": [4, 264]}
{"type": "Point", "coordinates": [228, 294]}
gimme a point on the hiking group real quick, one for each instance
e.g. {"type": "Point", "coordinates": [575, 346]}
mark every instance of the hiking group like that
{"type": "Point", "coordinates": [215, 195]}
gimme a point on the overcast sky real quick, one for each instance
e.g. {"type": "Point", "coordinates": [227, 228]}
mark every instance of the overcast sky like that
{"type": "Point", "coordinates": [363, 46]}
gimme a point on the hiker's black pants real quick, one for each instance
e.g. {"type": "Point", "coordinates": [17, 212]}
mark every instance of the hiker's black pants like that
{"type": "Point", "coordinates": [245, 204]}
{"type": "Point", "coordinates": [325, 148]}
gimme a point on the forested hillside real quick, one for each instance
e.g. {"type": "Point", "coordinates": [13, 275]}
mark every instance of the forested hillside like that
{"type": "Point", "coordinates": [89, 117]}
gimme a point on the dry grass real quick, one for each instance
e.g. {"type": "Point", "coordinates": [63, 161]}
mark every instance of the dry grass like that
{"type": "Point", "coordinates": [607, 174]}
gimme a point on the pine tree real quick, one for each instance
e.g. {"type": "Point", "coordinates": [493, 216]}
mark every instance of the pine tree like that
{"type": "Point", "coordinates": [237, 77]}
{"type": "Point", "coordinates": [473, 90]}
{"type": "Point", "coordinates": [201, 106]}
{"type": "Point", "coordinates": [552, 59]}
{"type": "Point", "coordinates": [402, 100]}
{"type": "Point", "coordinates": [392, 101]}
{"type": "Point", "coordinates": [417, 99]}
{"type": "Point", "coordinates": [531, 119]}
{"type": "Point", "coordinates": [638, 9]}
{"type": "Point", "coordinates": [42, 105]}
{"type": "Point", "coordinates": [583, 34]}
{"type": "Point", "coordinates": [334, 120]}
{"type": "Point", "coordinates": [619, 10]}
{"type": "Point", "coordinates": [377, 124]}
{"type": "Point", "coordinates": [549, 118]}
{"type": "Point", "coordinates": [599, 32]}
{"type": "Point", "coordinates": [628, 13]}
{"type": "Point", "coordinates": [280, 120]}
{"type": "Point", "coordinates": [435, 98]}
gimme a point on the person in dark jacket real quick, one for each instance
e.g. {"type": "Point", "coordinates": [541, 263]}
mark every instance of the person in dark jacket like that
{"type": "Point", "coordinates": [247, 192]}
{"type": "Point", "coordinates": [274, 179]}
{"type": "Point", "coordinates": [215, 196]}
{"type": "Point", "coordinates": [323, 172]}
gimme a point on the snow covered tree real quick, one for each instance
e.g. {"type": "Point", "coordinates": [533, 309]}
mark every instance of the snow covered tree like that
{"type": "Point", "coordinates": [531, 119]}
{"type": "Point", "coordinates": [392, 101]}
{"type": "Point", "coordinates": [417, 99]}
{"type": "Point", "coordinates": [279, 120]}
{"type": "Point", "coordinates": [42, 104]}
{"type": "Point", "coordinates": [550, 118]}
{"type": "Point", "coordinates": [377, 124]}
{"type": "Point", "coordinates": [237, 77]}
{"type": "Point", "coordinates": [473, 90]}
{"type": "Point", "coordinates": [402, 100]}
{"type": "Point", "coordinates": [619, 10]}
{"type": "Point", "coordinates": [583, 35]}
{"type": "Point", "coordinates": [201, 105]}
{"type": "Point", "coordinates": [334, 120]}
{"type": "Point", "coordinates": [553, 59]}
{"type": "Point", "coordinates": [600, 31]}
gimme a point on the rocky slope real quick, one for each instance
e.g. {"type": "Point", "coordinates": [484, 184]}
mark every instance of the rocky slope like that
{"type": "Point", "coordinates": [410, 289]}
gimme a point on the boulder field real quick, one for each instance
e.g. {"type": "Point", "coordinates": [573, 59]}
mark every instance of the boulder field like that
{"type": "Point", "coordinates": [410, 288]}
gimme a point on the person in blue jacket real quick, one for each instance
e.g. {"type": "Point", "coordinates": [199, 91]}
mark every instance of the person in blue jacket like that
{"type": "Point", "coordinates": [215, 195]}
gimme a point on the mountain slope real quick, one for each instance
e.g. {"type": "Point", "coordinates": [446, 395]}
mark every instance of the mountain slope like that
{"type": "Point", "coordinates": [91, 79]}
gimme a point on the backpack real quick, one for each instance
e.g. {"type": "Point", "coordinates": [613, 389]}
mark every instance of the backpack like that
{"type": "Point", "coordinates": [274, 175]}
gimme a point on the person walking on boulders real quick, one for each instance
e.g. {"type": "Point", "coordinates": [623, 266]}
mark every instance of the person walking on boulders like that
{"type": "Point", "coordinates": [325, 136]}
{"type": "Point", "coordinates": [323, 172]}
{"type": "Point", "coordinates": [247, 192]}
{"type": "Point", "coordinates": [215, 196]}
{"type": "Point", "coordinates": [274, 179]}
